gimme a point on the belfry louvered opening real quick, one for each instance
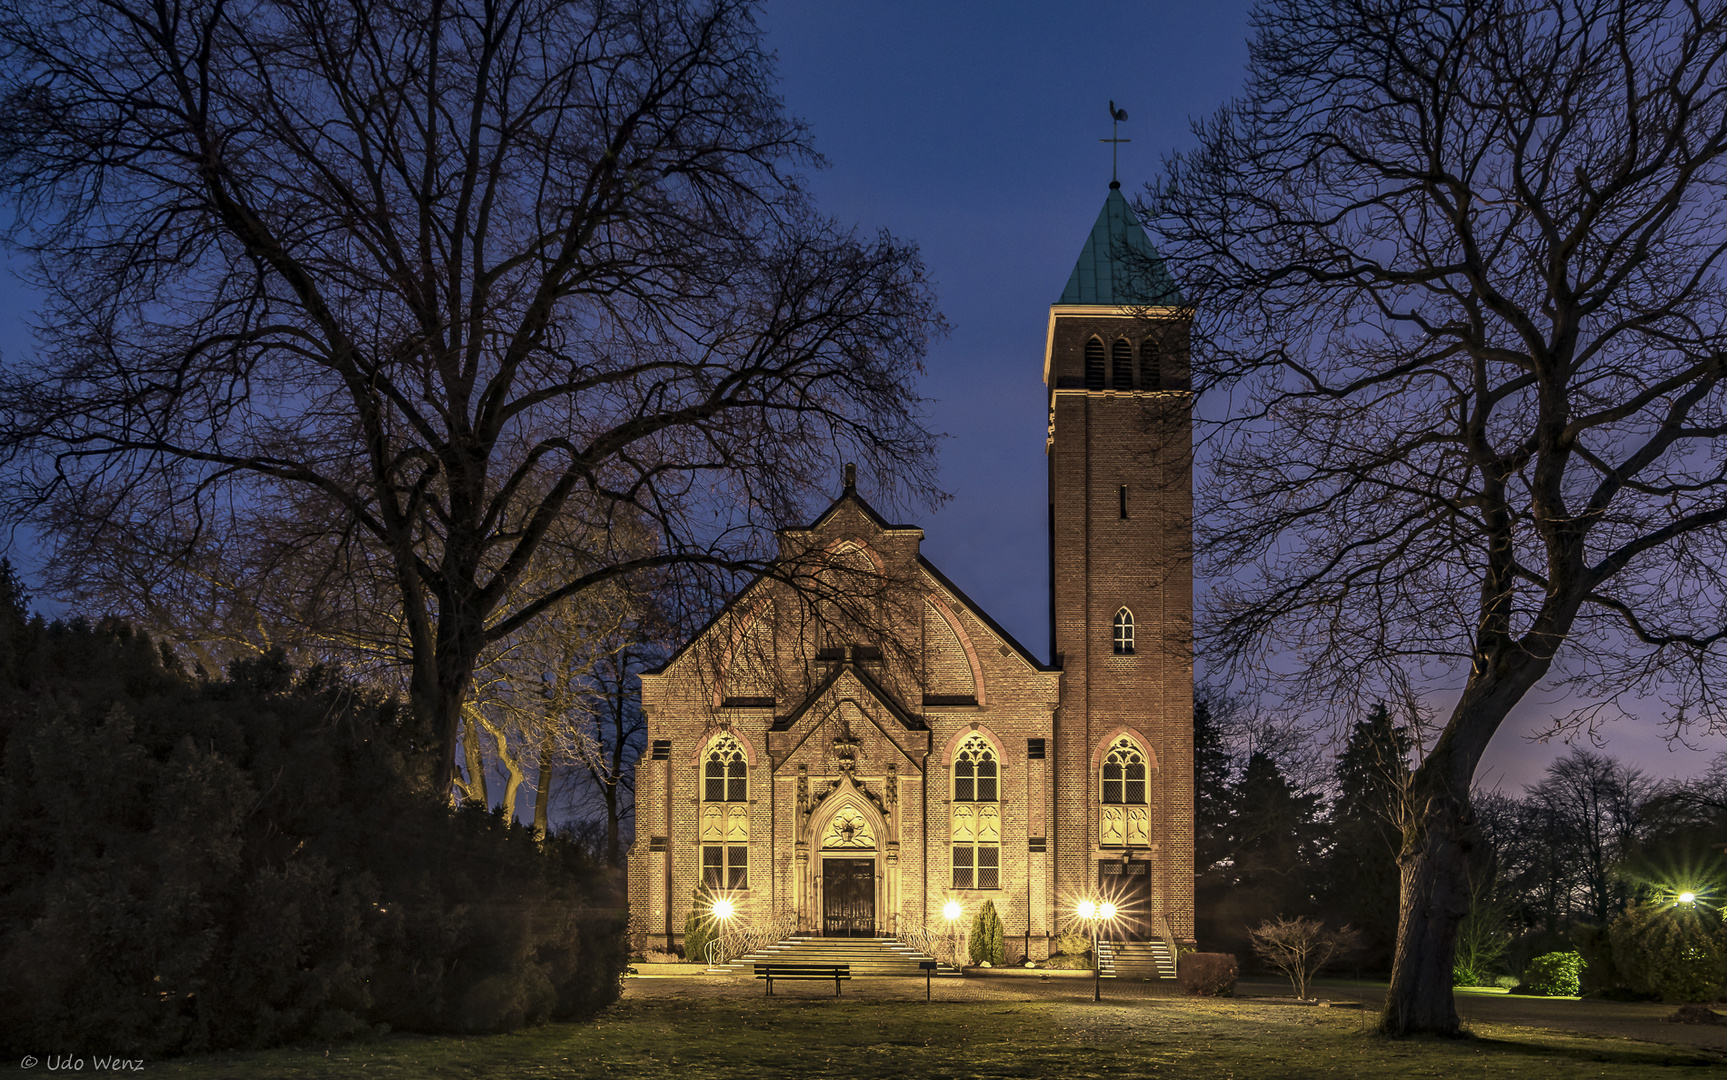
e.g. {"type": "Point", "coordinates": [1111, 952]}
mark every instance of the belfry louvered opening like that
{"type": "Point", "coordinates": [1094, 364]}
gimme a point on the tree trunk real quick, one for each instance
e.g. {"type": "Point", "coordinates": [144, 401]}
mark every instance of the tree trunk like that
{"type": "Point", "coordinates": [614, 856]}
{"type": "Point", "coordinates": [543, 784]}
{"type": "Point", "coordinates": [1433, 899]}
{"type": "Point", "coordinates": [475, 789]}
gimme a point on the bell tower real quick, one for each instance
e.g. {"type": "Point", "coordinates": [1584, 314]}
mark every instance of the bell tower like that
{"type": "Point", "coordinates": [1121, 584]}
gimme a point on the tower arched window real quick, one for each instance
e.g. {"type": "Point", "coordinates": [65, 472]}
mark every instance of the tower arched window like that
{"type": "Point", "coordinates": [1124, 817]}
{"type": "Point", "coordinates": [1150, 364]}
{"type": "Point", "coordinates": [1121, 365]}
{"type": "Point", "coordinates": [1094, 364]}
{"type": "Point", "coordinates": [725, 822]}
{"type": "Point", "coordinates": [976, 836]}
{"type": "Point", "coordinates": [1123, 633]}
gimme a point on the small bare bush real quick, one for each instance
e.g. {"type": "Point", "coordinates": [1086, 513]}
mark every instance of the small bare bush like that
{"type": "Point", "coordinates": [1300, 948]}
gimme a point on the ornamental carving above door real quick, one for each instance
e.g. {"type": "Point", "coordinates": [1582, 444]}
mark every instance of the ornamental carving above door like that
{"type": "Point", "coordinates": [848, 828]}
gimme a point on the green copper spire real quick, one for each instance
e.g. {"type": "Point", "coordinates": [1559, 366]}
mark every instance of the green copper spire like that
{"type": "Point", "coordinates": [1117, 266]}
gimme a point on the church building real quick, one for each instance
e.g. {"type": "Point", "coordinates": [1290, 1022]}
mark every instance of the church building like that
{"type": "Point", "coordinates": [853, 743]}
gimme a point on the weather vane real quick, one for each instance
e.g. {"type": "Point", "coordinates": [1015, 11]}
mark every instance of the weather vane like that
{"type": "Point", "coordinates": [1116, 116]}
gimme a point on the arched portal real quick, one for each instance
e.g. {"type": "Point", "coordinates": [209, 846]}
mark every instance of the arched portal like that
{"type": "Point", "coordinates": [847, 882]}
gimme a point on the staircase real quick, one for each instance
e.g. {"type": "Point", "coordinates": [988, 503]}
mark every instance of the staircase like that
{"type": "Point", "coordinates": [1137, 959]}
{"type": "Point", "coordinates": [867, 956]}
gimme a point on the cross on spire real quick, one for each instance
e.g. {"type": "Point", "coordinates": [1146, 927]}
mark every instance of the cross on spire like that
{"type": "Point", "coordinates": [1116, 116]}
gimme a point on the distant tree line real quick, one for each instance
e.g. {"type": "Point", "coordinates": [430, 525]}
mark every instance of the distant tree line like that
{"type": "Point", "coordinates": [1551, 868]}
{"type": "Point", "coordinates": [196, 862]}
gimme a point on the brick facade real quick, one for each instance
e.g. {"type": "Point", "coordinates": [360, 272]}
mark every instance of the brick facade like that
{"type": "Point", "coordinates": [850, 717]}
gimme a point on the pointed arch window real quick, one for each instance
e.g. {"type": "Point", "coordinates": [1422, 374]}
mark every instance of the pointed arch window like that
{"type": "Point", "coordinates": [725, 820]}
{"type": "Point", "coordinates": [726, 772]}
{"type": "Point", "coordinates": [1150, 365]}
{"type": "Point", "coordinates": [976, 835]}
{"type": "Point", "coordinates": [1121, 365]}
{"type": "Point", "coordinates": [1124, 818]}
{"type": "Point", "coordinates": [1123, 635]}
{"type": "Point", "coordinates": [1094, 364]}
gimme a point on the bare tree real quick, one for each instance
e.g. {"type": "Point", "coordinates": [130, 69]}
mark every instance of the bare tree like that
{"type": "Point", "coordinates": [1594, 804]}
{"type": "Point", "coordinates": [1300, 948]}
{"type": "Point", "coordinates": [457, 272]}
{"type": "Point", "coordinates": [1457, 264]}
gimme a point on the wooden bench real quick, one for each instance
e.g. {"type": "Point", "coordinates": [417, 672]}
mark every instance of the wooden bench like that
{"type": "Point", "coordinates": [836, 972]}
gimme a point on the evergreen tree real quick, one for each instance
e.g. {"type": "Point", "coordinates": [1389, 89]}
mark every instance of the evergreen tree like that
{"type": "Point", "coordinates": [1273, 839]}
{"type": "Point", "coordinates": [988, 940]}
{"type": "Point", "coordinates": [1210, 786]}
{"type": "Point", "coordinates": [1361, 872]}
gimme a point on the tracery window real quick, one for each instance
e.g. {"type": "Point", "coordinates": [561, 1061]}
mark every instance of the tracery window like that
{"type": "Point", "coordinates": [727, 772]}
{"type": "Point", "coordinates": [725, 822]}
{"type": "Point", "coordinates": [1124, 818]}
{"type": "Point", "coordinates": [976, 815]}
{"type": "Point", "coordinates": [1121, 365]}
{"type": "Point", "coordinates": [1124, 632]}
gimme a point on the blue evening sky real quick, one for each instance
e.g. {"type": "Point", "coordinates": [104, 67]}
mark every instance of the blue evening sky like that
{"type": "Point", "coordinates": [972, 128]}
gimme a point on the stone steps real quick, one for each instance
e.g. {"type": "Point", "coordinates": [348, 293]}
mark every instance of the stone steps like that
{"type": "Point", "coordinates": [1141, 960]}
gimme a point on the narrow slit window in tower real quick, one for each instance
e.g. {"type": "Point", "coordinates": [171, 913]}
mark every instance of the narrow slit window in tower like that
{"type": "Point", "coordinates": [1094, 364]}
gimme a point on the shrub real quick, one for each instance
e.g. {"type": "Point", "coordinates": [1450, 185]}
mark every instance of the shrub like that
{"type": "Point", "coordinates": [1675, 953]}
{"type": "Point", "coordinates": [1207, 974]}
{"type": "Point", "coordinates": [1300, 948]}
{"type": "Point", "coordinates": [1074, 943]}
{"type": "Point", "coordinates": [1067, 962]}
{"type": "Point", "coordinates": [1554, 974]}
{"type": "Point", "coordinates": [988, 942]}
{"type": "Point", "coordinates": [196, 864]}
{"type": "Point", "coordinates": [699, 926]}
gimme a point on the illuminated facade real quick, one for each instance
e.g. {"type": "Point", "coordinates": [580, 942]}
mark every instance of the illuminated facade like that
{"type": "Point", "coordinates": [847, 762]}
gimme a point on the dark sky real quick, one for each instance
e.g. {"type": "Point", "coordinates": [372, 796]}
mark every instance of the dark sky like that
{"type": "Point", "coordinates": [973, 128]}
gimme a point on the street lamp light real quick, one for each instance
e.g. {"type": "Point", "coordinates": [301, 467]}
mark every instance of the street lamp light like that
{"type": "Point", "coordinates": [723, 910]}
{"type": "Point", "coordinates": [951, 913]}
{"type": "Point", "coordinates": [1096, 913]}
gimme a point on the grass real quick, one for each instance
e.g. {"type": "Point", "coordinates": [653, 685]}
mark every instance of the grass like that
{"type": "Point", "coordinates": [669, 1033]}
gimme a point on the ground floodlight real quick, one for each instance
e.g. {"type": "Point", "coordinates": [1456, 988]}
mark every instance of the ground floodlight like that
{"type": "Point", "coordinates": [951, 910]}
{"type": "Point", "coordinates": [723, 909]}
{"type": "Point", "coordinates": [1107, 911]}
{"type": "Point", "coordinates": [1087, 909]}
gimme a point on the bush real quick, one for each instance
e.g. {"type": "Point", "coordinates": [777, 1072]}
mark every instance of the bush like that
{"type": "Point", "coordinates": [1207, 974]}
{"type": "Point", "coordinates": [196, 864]}
{"type": "Point", "coordinates": [1674, 953]}
{"type": "Point", "coordinates": [1068, 962]}
{"type": "Point", "coordinates": [1074, 943]}
{"type": "Point", "coordinates": [1554, 974]}
{"type": "Point", "coordinates": [988, 942]}
{"type": "Point", "coordinates": [699, 926]}
{"type": "Point", "coordinates": [1301, 948]}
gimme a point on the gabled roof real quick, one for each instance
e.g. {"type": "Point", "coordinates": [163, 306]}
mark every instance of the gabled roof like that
{"type": "Point", "coordinates": [1118, 266]}
{"type": "Point", "coordinates": [983, 616]}
{"type": "Point", "coordinates": [906, 719]}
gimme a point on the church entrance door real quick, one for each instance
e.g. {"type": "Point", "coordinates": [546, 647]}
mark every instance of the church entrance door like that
{"type": "Point", "coordinates": [848, 897]}
{"type": "Point", "coordinates": [1128, 885]}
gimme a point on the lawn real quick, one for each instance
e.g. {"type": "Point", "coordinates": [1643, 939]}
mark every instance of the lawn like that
{"type": "Point", "coordinates": [695, 1029]}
